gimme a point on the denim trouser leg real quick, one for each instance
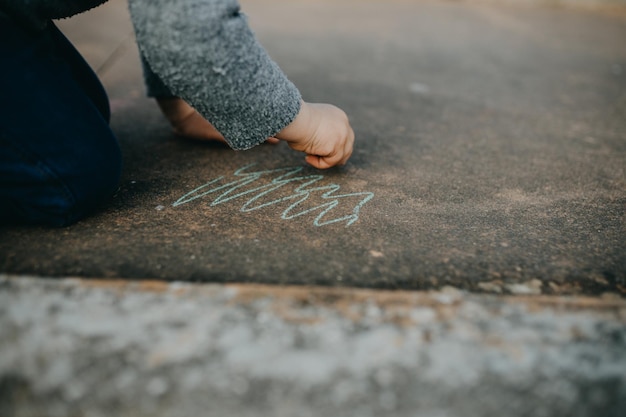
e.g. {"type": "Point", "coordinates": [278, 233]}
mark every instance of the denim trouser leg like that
{"type": "Point", "coordinates": [59, 159]}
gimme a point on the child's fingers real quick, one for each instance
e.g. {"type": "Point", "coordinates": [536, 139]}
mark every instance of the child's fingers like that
{"type": "Point", "coordinates": [272, 140]}
{"type": "Point", "coordinates": [347, 149]}
{"type": "Point", "coordinates": [318, 162]}
{"type": "Point", "coordinates": [325, 161]}
{"type": "Point", "coordinates": [336, 157]}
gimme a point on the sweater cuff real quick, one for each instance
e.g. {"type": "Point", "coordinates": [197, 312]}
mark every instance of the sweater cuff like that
{"type": "Point", "coordinates": [154, 86]}
{"type": "Point", "coordinates": [205, 53]}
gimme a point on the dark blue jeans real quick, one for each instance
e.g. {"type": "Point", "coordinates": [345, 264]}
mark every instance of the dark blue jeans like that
{"type": "Point", "coordinates": [59, 160]}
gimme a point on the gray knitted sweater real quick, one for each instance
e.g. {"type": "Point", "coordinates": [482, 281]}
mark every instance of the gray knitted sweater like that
{"type": "Point", "coordinates": [202, 51]}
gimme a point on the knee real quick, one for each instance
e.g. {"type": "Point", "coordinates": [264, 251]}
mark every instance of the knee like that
{"type": "Point", "coordinates": [60, 199]}
{"type": "Point", "coordinates": [78, 197]}
{"type": "Point", "coordinates": [91, 189]}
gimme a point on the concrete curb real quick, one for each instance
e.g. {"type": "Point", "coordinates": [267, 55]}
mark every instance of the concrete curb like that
{"type": "Point", "coordinates": [91, 348]}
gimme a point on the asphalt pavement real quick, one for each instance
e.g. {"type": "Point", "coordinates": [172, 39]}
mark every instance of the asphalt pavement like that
{"type": "Point", "coordinates": [490, 150]}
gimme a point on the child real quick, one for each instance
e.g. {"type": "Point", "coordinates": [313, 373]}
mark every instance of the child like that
{"type": "Point", "coordinates": [58, 157]}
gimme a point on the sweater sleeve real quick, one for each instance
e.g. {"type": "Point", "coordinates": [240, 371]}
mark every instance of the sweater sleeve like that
{"type": "Point", "coordinates": [154, 86]}
{"type": "Point", "coordinates": [204, 52]}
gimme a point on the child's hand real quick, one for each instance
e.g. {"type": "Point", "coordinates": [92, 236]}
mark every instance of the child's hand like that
{"type": "Point", "coordinates": [323, 132]}
{"type": "Point", "coordinates": [187, 122]}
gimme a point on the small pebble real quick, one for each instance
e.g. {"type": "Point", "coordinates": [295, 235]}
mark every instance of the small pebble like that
{"type": "Point", "coordinates": [532, 287]}
{"type": "Point", "coordinates": [493, 286]}
{"type": "Point", "coordinates": [419, 88]}
{"type": "Point", "coordinates": [157, 386]}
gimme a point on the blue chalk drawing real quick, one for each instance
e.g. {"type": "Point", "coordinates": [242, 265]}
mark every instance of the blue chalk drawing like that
{"type": "Point", "coordinates": [234, 189]}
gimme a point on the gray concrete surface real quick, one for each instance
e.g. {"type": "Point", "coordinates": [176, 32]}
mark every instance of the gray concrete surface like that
{"type": "Point", "coordinates": [490, 152]}
{"type": "Point", "coordinates": [117, 348]}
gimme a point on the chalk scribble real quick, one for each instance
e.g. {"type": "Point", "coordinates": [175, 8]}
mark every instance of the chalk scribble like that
{"type": "Point", "coordinates": [256, 197]}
